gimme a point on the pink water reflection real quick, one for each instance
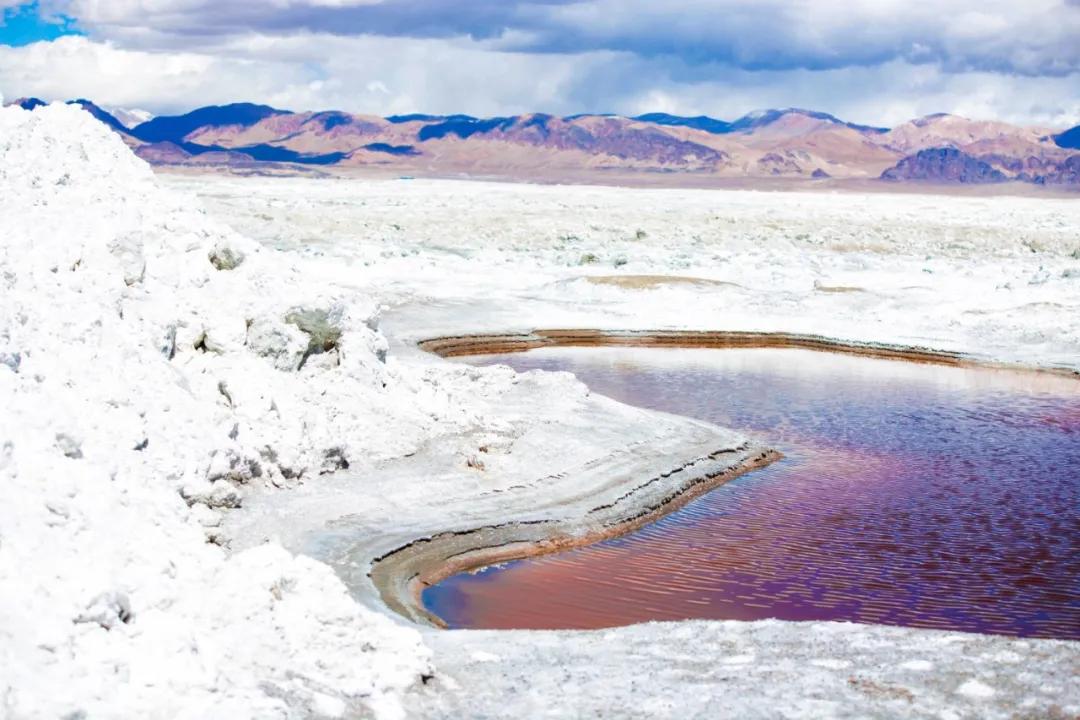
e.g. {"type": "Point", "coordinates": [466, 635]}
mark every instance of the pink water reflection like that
{"type": "Point", "coordinates": [910, 495]}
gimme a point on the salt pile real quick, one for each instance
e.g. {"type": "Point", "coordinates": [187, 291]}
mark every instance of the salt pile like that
{"type": "Point", "coordinates": [152, 363]}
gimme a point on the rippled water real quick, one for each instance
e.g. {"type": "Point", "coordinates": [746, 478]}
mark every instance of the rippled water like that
{"type": "Point", "coordinates": [909, 495]}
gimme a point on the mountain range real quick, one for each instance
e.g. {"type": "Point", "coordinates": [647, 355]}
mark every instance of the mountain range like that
{"type": "Point", "coordinates": [787, 143]}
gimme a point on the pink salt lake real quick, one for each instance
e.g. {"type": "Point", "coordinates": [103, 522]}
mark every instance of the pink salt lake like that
{"type": "Point", "coordinates": [909, 494]}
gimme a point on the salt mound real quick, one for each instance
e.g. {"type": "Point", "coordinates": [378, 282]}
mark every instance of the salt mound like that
{"type": "Point", "coordinates": [153, 362]}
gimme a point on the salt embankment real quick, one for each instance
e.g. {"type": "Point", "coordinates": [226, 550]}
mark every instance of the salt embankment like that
{"type": "Point", "coordinates": [152, 364]}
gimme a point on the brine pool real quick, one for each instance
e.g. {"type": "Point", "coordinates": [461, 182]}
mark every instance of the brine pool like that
{"type": "Point", "coordinates": [909, 494]}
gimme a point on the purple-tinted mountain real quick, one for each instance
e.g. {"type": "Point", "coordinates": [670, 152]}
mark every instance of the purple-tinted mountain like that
{"type": "Point", "coordinates": [1063, 173]}
{"type": "Point", "coordinates": [1069, 139]}
{"type": "Point", "coordinates": [763, 118]}
{"type": "Point", "coordinates": [331, 119]}
{"type": "Point", "coordinates": [176, 128]}
{"type": "Point", "coordinates": [260, 153]}
{"type": "Point", "coordinates": [700, 122]}
{"type": "Point", "coordinates": [274, 153]}
{"type": "Point", "coordinates": [784, 144]}
{"type": "Point", "coordinates": [402, 150]}
{"type": "Point", "coordinates": [614, 137]}
{"type": "Point", "coordinates": [463, 126]}
{"type": "Point", "coordinates": [32, 103]}
{"type": "Point", "coordinates": [421, 117]}
{"type": "Point", "coordinates": [29, 103]}
{"type": "Point", "coordinates": [750, 122]}
{"type": "Point", "coordinates": [101, 115]}
{"type": "Point", "coordinates": [944, 165]}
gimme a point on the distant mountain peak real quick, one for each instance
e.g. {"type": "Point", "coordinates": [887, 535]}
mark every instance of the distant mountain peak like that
{"type": "Point", "coordinates": [792, 141]}
{"type": "Point", "coordinates": [1070, 139]}
{"type": "Point", "coordinates": [463, 126]}
{"type": "Point", "coordinates": [699, 122]}
{"type": "Point", "coordinates": [423, 117]}
{"type": "Point", "coordinates": [330, 119]}
{"type": "Point", "coordinates": [751, 121]}
{"type": "Point", "coordinates": [28, 103]}
{"type": "Point", "coordinates": [130, 117]}
{"type": "Point", "coordinates": [579, 116]}
{"type": "Point", "coordinates": [932, 118]}
{"type": "Point", "coordinates": [100, 114]}
{"type": "Point", "coordinates": [763, 118]}
{"type": "Point", "coordinates": [944, 165]}
{"type": "Point", "coordinates": [176, 128]}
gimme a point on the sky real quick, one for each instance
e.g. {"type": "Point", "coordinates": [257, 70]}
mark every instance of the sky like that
{"type": "Point", "coordinates": [878, 62]}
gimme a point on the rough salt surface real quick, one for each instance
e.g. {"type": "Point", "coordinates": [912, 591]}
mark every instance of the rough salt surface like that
{"type": "Point", "coordinates": [765, 669]}
{"type": "Point", "coordinates": [994, 276]}
{"type": "Point", "coordinates": [989, 276]}
{"type": "Point", "coordinates": [166, 381]}
{"type": "Point", "coordinates": [138, 400]}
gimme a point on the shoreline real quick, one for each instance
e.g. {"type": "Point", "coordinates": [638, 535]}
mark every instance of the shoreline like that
{"type": "Point", "coordinates": [497, 343]}
{"type": "Point", "coordinates": [401, 575]}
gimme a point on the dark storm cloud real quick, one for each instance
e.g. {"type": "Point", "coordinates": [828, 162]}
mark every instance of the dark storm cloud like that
{"type": "Point", "coordinates": [1035, 37]}
{"type": "Point", "coordinates": [870, 61]}
{"type": "Point", "coordinates": [477, 19]}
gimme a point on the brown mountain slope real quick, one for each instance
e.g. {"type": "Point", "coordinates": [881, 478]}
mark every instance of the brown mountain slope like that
{"type": "Point", "coordinates": [545, 142]}
{"type": "Point", "coordinates": [788, 143]}
{"type": "Point", "coordinates": [945, 130]}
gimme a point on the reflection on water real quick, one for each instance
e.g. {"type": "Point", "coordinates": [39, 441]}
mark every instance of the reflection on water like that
{"type": "Point", "coordinates": [909, 495]}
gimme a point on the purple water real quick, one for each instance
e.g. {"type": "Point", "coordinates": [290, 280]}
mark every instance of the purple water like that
{"type": "Point", "coordinates": [909, 495]}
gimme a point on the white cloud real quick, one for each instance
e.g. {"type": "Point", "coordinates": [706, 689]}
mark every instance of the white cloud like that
{"type": "Point", "coordinates": [883, 95]}
{"type": "Point", "coordinates": [154, 61]}
{"type": "Point", "coordinates": [1032, 37]}
{"type": "Point", "coordinates": [74, 66]}
{"type": "Point", "coordinates": [367, 74]}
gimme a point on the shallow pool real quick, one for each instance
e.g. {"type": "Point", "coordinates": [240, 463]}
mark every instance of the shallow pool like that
{"type": "Point", "coordinates": [909, 494]}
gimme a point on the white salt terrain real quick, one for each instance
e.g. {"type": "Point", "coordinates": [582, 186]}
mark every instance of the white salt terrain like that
{"type": "Point", "coordinates": [215, 417]}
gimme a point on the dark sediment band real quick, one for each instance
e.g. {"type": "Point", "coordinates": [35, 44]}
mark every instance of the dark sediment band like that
{"type": "Point", "coordinates": [463, 345]}
{"type": "Point", "coordinates": [401, 575]}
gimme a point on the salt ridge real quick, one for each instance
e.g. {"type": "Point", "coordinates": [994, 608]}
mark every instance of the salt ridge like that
{"type": "Point", "coordinates": [141, 387]}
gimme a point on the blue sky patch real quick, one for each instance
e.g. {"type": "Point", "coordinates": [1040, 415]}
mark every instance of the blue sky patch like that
{"type": "Point", "coordinates": [24, 24]}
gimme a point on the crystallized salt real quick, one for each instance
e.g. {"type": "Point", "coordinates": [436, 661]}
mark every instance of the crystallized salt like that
{"type": "Point", "coordinates": [153, 362]}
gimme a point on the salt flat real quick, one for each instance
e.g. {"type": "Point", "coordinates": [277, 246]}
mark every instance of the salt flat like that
{"type": "Point", "coordinates": [997, 277]}
{"type": "Point", "coordinates": [210, 381]}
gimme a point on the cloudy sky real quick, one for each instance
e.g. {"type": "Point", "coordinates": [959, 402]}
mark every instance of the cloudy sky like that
{"type": "Point", "coordinates": [870, 61]}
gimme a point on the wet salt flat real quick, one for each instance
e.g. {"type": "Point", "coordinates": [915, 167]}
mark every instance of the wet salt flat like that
{"type": "Point", "coordinates": [909, 494]}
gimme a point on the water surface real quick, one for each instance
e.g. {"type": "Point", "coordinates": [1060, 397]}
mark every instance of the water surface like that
{"type": "Point", "coordinates": [909, 494]}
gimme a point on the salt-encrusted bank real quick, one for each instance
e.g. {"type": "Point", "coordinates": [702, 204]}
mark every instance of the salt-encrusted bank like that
{"type": "Point", "coordinates": [165, 381]}
{"type": "Point", "coordinates": [150, 368]}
